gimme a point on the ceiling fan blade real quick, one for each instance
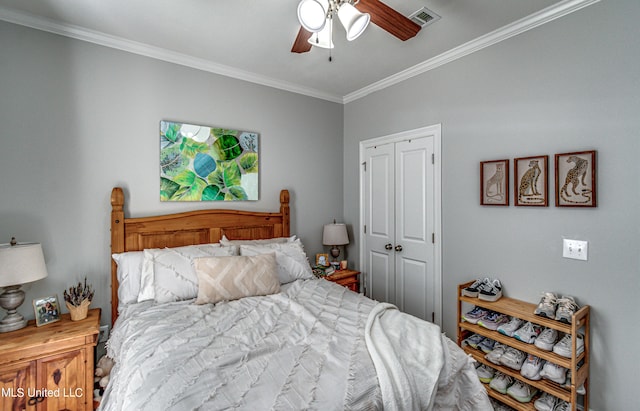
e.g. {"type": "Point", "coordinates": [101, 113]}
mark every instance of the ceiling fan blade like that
{"type": "Point", "coordinates": [388, 19]}
{"type": "Point", "coordinates": [301, 45]}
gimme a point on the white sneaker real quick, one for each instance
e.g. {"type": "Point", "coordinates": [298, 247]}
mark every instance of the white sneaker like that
{"type": "Point", "coordinates": [564, 346]}
{"type": "Point", "coordinates": [531, 367]}
{"type": "Point", "coordinates": [554, 372]}
{"type": "Point", "coordinates": [496, 353]}
{"type": "Point", "coordinates": [566, 308]}
{"type": "Point", "coordinates": [472, 290]}
{"type": "Point", "coordinates": [509, 328]}
{"type": "Point", "coordinates": [528, 332]}
{"type": "Point", "coordinates": [501, 382]}
{"type": "Point", "coordinates": [546, 339]}
{"type": "Point", "coordinates": [547, 305]}
{"type": "Point", "coordinates": [521, 392]}
{"type": "Point", "coordinates": [567, 384]}
{"type": "Point", "coordinates": [545, 402]}
{"type": "Point", "coordinates": [513, 358]}
{"type": "Point", "coordinates": [485, 373]}
{"type": "Point", "coordinates": [562, 406]}
{"type": "Point", "coordinates": [491, 291]}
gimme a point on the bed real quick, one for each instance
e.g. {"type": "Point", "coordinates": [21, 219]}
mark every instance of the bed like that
{"type": "Point", "coordinates": [218, 309]}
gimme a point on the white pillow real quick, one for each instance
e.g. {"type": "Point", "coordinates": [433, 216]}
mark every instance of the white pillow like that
{"type": "Point", "coordinates": [128, 273]}
{"type": "Point", "coordinates": [278, 240]}
{"type": "Point", "coordinates": [232, 278]}
{"type": "Point", "coordinates": [291, 260]}
{"type": "Point", "coordinates": [168, 274]}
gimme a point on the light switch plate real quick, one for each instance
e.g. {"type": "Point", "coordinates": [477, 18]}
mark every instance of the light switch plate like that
{"type": "Point", "coordinates": [575, 249]}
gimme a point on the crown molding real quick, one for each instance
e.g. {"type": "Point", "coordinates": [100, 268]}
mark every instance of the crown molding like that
{"type": "Point", "coordinates": [513, 29]}
{"type": "Point", "coordinates": [520, 26]}
{"type": "Point", "coordinates": [119, 43]}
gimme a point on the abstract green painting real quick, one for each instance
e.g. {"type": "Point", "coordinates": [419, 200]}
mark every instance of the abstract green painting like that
{"type": "Point", "coordinates": [200, 163]}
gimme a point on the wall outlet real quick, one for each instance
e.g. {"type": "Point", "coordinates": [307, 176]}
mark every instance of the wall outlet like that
{"type": "Point", "coordinates": [575, 249]}
{"type": "Point", "coordinates": [104, 334]}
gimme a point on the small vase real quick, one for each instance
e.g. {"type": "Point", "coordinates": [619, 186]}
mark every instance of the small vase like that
{"type": "Point", "coordinates": [79, 312]}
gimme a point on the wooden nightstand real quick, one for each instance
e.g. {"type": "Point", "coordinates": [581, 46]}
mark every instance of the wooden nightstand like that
{"type": "Point", "coordinates": [347, 278]}
{"type": "Point", "coordinates": [51, 366]}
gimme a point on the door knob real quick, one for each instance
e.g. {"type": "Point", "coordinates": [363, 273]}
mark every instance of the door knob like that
{"type": "Point", "coordinates": [388, 246]}
{"type": "Point", "coordinates": [398, 248]}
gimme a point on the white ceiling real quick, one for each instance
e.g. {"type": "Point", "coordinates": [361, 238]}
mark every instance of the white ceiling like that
{"type": "Point", "coordinates": [252, 39]}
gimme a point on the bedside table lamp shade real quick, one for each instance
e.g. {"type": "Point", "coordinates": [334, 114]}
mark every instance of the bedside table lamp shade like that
{"type": "Point", "coordinates": [19, 264]}
{"type": "Point", "coordinates": [335, 235]}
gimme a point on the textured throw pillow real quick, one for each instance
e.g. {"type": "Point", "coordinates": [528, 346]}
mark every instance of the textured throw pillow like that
{"type": "Point", "coordinates": [128, 273]}
{"type": "Point", "coordinates": [168, 274]}
{"type": "Point", "coordinates": [291, 259]}
{"type": "Point", "coordinates": [225, 241]}
{"type": "Point", "coordinates": [232, 278]}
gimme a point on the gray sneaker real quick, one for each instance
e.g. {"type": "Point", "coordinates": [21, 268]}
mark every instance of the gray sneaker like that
{"type": "Point", "coordinates": [473, 289]}
{"type": "Point", "coordinates": [567, 306]}
{"type": "Point", "coordinates": [547, 339]}
{"type": "Point", "coordinates": [547, 305]}
{"type": "Point", "coordinates": [491, 291]}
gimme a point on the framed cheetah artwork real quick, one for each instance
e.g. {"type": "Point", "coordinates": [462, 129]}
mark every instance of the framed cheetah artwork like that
{"type": "Point", "coordinates": [530, 181]}
{"type": "Point", "coordinates": [576, 179]}
{"type": "Point", "coordinates": [494, 182]}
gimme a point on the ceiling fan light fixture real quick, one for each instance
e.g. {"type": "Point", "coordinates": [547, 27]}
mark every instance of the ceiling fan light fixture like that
{"type": "Point", "coordinates": [354, 22]}
{"type": "Point", "coordinates": [323, 37]}
{"type": "Point", "coordinates": [312, 14]}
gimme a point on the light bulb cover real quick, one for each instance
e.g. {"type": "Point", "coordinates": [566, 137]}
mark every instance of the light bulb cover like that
{"type": "Point", "coordinates": [312, 14]}
{"type": "Point", "coordinates": [354, 22]}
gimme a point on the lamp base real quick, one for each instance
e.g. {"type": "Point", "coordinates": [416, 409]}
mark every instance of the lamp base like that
{"type": "Point", "coordinates": [10, 300]}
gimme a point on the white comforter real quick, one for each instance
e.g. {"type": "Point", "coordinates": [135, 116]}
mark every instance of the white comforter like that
{"type": "Point", "coordinates": [303, 348]}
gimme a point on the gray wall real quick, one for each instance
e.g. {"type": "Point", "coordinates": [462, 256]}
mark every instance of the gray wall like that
{"type": "Point", "coordinates": [77, 119]}
{"type": "Point", "coordinates": [570, 85]}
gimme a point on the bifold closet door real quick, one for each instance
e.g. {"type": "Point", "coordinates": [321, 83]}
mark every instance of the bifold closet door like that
{"type": "Point", "coordinates": [400, 225]}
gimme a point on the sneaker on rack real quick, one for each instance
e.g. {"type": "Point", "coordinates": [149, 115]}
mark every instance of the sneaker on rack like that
{"type": "Point", "coordinates": [496, 353]}
{"type": "Point", "coordinates": [564, 346]}
{"type": "Point", "coordinates": [485, 373]}
{"type": "Point", "coordinates": [562, 406]}
{"type": "Point", "coordinates": [532, 367]}
{"type": "Point", "coordinates": [475, 314]}
{"type": "Point", "coordinates": [567, 306]}
{"type": "Point", "coordinates": [509, 328]}
{"type": "Point", "coordinates": [473, 340]}
{"type": "Point", "coordinates": [491, 291]}
{"type": "Point", "coordinates": [486, 345]}
{"type": "Point", "coordinates": [493, 320]}
{"type": "Point", "coordinates": [521, 392]}
{"type": "Point", "coordinates": [547, 339]}
{"type": "Point", "coordinates": [567, 384]}
{"type": "Point", "coordinates": [545, 402]}
{"type": "Point", "coordinates": [528, 332]}
{"type": "Point", "coordinates": [554, 372]}
{"type": "Point", "coordinates": [547, 305]}
{"type": "Point", "coordinates": [501, 382]}
{"type": "Point", "coordinates": [473, 289]}
{"type": "Point", "coordinates": [513, 358]}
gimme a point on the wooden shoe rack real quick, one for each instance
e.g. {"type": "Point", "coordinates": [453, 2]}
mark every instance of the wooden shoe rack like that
{"type": "Point", "coordinates": [577, 364]}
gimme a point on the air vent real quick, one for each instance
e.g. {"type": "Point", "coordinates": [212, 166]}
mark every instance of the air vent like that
{"type": "Point", "coordinates": [424, 17]}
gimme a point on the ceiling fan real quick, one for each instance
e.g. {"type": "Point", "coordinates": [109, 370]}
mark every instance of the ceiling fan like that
{"type": "Point", "coordinates": [316, 19]}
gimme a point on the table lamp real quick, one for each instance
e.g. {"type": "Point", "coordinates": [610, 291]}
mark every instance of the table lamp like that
{"type": "Point", "coordinates": [19, 264]}
{"type": "Point", "coordinates": [335, 235]}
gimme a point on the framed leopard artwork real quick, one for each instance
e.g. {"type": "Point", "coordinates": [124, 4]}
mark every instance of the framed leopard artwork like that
{"type": "Point", "coordinates": [576, 179]}
{"type": "Point", "coordinates": [494, 182]}
{"type": "Point", "coordinates": [530, 181]}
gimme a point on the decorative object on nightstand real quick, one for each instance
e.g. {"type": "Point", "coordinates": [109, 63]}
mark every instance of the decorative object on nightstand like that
{"type": "Point", "coordinates": [20, 263]}
{"type": "Point", "coordinates": [347, 278]}
{"type": "Point", "coordinates": [78, 299]}
{"type": "Point", "coordinates": [335, 235]}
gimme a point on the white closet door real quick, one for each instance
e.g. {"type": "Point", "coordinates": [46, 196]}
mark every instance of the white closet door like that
{"type": "Point", "coordinates": [399, 219]}
{"type": "Point", "coordinates": [414, 250]}
{"type": "Point", "coordinates": [380, 222]}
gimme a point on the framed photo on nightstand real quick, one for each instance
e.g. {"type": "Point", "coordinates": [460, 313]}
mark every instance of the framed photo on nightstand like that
{"type": "Point", "coordinates": [47, 310]}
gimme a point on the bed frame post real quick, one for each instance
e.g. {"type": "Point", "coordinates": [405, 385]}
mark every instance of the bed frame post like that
{"type": "Point", "coordinates": [284, 210]}
{"type": "Point", "coordinates": [117, 244]}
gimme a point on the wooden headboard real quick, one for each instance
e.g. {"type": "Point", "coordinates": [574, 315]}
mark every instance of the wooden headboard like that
{"type": "Point", "coordinates": [188, 228]}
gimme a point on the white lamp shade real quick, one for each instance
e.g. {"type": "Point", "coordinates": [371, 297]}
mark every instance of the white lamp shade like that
{"type": "Point", "coordinates": [353, 21]}
{"type": "Point", "coordinates": [312, 14]}
{"type": "Point", "coordinates": [21, 263]}
{"type": "Point", "coordinates": [335, 234]}
{"type": "Point", "coordinates": [322, 38]}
